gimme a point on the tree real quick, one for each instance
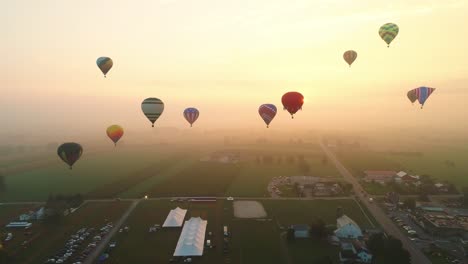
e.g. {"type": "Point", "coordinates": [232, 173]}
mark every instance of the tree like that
{"type": "Point", "coordinates": [464, 198]}
{"type": "Point", "coordinates": [290, 235]}
{"type": "Point", "coordinates": [318, 229]}
{"type": "Point", "coordinates": [387, 250]}
{"type": "Point", "coordinates": [410, 203]}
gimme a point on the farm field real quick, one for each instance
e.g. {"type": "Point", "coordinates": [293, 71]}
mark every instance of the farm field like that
{"type": "Point", "coordinates": [432, 162]}
{"type": "Point", "coordinates": [46, 239]}
{"type": "Point", "coordinates": [252, 240]}
{"type": "Point", "coordinates": [88, 174]}
{"type": "Point", "coordinates": [131, 172]}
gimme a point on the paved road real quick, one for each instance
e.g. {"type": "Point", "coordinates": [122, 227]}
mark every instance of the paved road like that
{"type": "Point", "coordinates": [105, 242]}
{"type": "Point", "coordinates": [390, 228]}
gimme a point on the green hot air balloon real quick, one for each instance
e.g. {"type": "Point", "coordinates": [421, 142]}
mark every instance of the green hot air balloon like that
{"type": "Point", "coordinates": [152, 108]}
{"type": "Point", "coordinates": [105, 64]}
{"type": "Point", "coordinates": [70, 153]}
{"type": "Point", "coordinates": [388, 32]}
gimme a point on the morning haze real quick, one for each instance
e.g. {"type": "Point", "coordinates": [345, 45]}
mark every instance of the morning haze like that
{"type": "Point", "coordinates": [359, 175]}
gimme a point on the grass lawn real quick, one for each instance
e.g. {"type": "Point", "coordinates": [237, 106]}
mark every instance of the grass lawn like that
{"type": "Point", "coordinates": [47, 239]}
{"type": "Point", "coordinates": [252, 241]}
{"type": "Point", "coordinates": [376, 188]}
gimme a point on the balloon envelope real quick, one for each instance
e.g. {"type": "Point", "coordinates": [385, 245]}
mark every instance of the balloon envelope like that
{"type": "Point", "coordinates": [115, 132]}
{"type": "Point", "coordinates": [105, 64]}
{"type": "Point", "coordinates": [267, 112]}
{"type": "Point", "coordinates": [191, 115]}
{"type": "Point", "coordinates": [152, 108]}
{"type": "Point", "coordinates": [423, 94]}
{"type": "Point", "coordinates": [350, 56]}
{"type": "Point", "coordinates": [412, 95]}
{"type": "Point", "coordinates": [292, 101]}
{"type": "Point", "coordinates": [388, 32]}
{"type": "Point", "coordinates": [70, 153]}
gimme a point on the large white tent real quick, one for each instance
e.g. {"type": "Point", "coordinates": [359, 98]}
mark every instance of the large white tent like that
{"type": "Point", "coordinates": [192, 239]}
{"type": "Point", "coordinates": [175, 218]}
{"type": "Point", "coordinates": [347, 228]}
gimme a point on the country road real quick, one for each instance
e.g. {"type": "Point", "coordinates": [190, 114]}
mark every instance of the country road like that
{"type": "Point", "coordinates": [390, 228]}
{"type": "Point", "coordinates": [105, 242]}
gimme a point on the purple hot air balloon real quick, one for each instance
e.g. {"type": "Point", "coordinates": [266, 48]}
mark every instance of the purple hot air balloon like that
{"type": "Point", "coordinates": [191, 115]}
{"type": "Point", "coordinates": [267, 113]}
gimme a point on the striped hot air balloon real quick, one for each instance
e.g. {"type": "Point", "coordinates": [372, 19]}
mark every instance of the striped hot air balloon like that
{"type": "Point", "coordinates": [115, 132]}
{"type": "Point", "coordinates": [152, 108]}
{"type": "Point", "coordinates": [423, 94]}
{"type": "Point", "coordinates": [292, 101]}
{"type": "Point", "coordinates": [388, 32]}
{"type": "Point", "coordinates": [191, 115]}
{"type": "Point", "coordinates": [350, 56]}
{"type": "Point", "coordinates": [104, 64]}
{"type": "Point", "coordinates": [267, 113]}
{"type": "Point", "coordinates": [70, 153]}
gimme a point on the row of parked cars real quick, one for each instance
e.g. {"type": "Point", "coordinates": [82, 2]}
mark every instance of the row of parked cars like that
{"type": "Point", "coordinates": [411, 233]}
{"type": "Point", "coordinates": [77, 242]}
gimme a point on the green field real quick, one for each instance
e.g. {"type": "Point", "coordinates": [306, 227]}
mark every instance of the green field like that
{"type": "Point", "coordinates": [118, 169]}
{"type": "Point", "coordinates": [132, 172]}
{"type": "Point", "coordinates": [252, 241]}
{"type": "Point", "coordinates": [431, 161]}
{"type": "Point", "coordinates": [47, 239]}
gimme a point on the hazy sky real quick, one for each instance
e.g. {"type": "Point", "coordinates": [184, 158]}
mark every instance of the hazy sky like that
{"type": "Point", "coordinates": [226, 58]}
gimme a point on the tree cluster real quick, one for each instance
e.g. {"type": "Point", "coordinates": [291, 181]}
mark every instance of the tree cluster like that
{"type": "Point", "coordinates": [387, 250]}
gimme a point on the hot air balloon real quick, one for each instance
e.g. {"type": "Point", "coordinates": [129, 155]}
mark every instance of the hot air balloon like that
{"type": "Point", "coordinates": [412, 95]}
{"type": "Point", "coordinates": [350, 56]}
{"type": "Point", "coordinates": [152, 108]}
{"type": "Point", "coordinates": [423, 93]}
{"type": "Point", "coordinates": [191, 115]}
{"type": "Point", "coordinates": [388, 32]}
{"type": "Point", "coordinates": [115, 132]}
{"type": "Point", "coordinates": [267, 113]}
{"type": "Point", "coordinates": [70, 153]}
{"type": "Point", "coordinates": [292, 101]}
{"type": "Point", "coordinates": [105, 64]}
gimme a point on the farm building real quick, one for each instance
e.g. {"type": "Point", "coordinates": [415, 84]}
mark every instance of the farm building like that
{"type": "Point", "coordinates": [175, 218]}
{"type": "Point", "coordinates": [347, 228]}
{"type": "Point", "coordinates": [301, 231]}
{"type": "Point", "coordinates": [381, 177]}
{"type": "Point", "coordinates": [192, 238]}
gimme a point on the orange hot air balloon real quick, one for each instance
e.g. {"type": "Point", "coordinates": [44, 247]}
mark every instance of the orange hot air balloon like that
{"type": "Point", "coordinates": [115, 132]}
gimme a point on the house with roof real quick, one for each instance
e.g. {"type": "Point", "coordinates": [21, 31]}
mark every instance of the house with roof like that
{"type": "Point", "coordinates": [354, 252]}
{"type": "Point", "coordinates": [381, 177]}
{"type": "Point", "coordinates": [346, 228]}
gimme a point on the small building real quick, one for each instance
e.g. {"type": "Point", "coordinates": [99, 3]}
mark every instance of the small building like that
{"type": "Point", "coordinates": [381, 177]}
{"type": "Point", "coordinates": [301, 231]}
{"type": "Point", "coordinates": [19, 225]}
{"type": "Point", "coordinates": [346, 228]}
{"type": "Point", "coordinates": [25, 217]}
{"type": "Point", "coordinates": [354, 252]}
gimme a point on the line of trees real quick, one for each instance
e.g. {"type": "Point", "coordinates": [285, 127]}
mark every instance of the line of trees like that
{"type": "Point", "coordinates": [387, 250]}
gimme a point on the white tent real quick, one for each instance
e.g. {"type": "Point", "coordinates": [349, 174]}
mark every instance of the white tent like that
{"type": "Point", "coordinates": [192, 239]}
{"type": "Point", "coordinates": [347, 228]}
{"type": "Point", "coordinates": [175, 218]}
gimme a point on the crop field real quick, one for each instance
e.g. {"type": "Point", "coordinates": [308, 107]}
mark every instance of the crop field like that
{"type": "Point", "coordinates": [252, 240]}
{"type": "Point", "coordinates": [46, 239]}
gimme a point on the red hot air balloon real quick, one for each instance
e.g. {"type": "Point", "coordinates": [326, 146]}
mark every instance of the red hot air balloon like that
{"type": "Point", "coordinates": [292, 101]}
